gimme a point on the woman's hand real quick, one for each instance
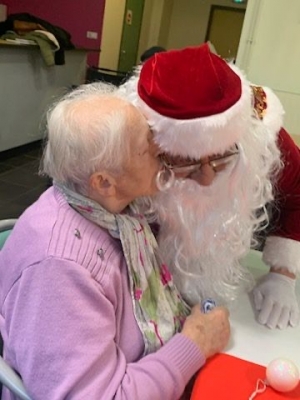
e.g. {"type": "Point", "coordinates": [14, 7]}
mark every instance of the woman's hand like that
{"type": "Point", "coordinates": [210, 331]}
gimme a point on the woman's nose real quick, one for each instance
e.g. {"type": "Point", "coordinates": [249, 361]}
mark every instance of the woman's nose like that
{"type": "Point", "coordinates": [155, 149]}
{"type": "Point", "coordinates": [205, 175]}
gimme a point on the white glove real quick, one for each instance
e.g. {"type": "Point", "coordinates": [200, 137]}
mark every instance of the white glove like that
{"type": "Point", "coordinates": [275, 298]}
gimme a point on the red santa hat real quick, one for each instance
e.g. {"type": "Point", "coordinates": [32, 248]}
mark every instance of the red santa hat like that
{"type": "Point", "coordinates": [196, 103]}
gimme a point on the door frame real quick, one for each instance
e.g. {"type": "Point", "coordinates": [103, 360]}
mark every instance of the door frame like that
{"type": "Point", "coordinates": [123, 32]}
{"type": "Point", "coordinates": [214, 8]}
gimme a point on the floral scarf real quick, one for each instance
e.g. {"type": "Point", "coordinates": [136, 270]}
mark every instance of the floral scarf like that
{"type": "Point", "coordinates": [158, 307]}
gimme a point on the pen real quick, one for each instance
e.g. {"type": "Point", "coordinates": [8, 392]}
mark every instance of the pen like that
{"type": "Point", "coordinates": [207, 305]}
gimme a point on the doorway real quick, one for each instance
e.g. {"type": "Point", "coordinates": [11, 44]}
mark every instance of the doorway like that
{"type": "Point", "coordinates": [131, 34]}
{"type": "Point", "coordinates": [224, 30]}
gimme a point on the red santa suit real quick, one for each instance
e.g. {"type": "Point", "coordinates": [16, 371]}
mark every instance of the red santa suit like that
{"type": "Point", "coordinates": [198, 105]}
{"type": "Point", "coordinates": [282, 247]}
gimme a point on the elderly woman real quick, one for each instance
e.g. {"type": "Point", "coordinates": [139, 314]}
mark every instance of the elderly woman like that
{"type": "Point", "coordinates": [88, 310]}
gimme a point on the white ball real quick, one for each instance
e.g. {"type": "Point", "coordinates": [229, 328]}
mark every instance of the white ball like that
{"type": "Point", "coordinates": [282, 375]}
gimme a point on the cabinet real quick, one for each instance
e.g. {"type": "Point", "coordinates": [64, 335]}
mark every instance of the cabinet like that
{"type": "Point", "coordinates": [27, 87]}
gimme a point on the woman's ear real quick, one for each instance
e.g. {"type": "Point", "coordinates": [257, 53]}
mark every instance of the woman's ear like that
{"type": "Point", "coordinates": [103, 184]}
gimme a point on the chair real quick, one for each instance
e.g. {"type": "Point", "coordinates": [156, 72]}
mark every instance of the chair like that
{"type": "Point", "coordinates": [107, 75]}
{"type": "Point", "coordinates": [8, 376]}
{"type": "Point", "coordinates": [6, 226]}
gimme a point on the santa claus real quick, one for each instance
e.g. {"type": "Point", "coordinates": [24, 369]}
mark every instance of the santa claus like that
{"type": "Point", "coordinates": [231, 171]}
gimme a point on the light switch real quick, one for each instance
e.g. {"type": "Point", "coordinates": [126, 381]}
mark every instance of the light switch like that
{"type": "Point", "coordinates": [92, 35]}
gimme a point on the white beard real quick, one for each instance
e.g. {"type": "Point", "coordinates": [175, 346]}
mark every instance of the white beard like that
{"type": "Point", "coordinates": [205, 231]}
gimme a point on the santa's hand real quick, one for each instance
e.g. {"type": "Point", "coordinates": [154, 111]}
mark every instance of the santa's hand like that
{"type": "Point", "coordinates": [275, 299]}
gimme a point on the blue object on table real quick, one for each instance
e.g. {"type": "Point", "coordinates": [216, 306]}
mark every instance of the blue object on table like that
{"type": "Point", "coordinates": [207, 305]}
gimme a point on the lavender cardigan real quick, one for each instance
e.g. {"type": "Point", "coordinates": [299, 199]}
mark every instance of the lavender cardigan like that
{"type": "Point", "coordinates": [66, 314]}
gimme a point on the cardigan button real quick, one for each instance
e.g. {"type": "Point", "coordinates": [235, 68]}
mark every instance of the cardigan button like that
{"type": "Point", "coordinates": [100, 253]}
{"type": "Point", "coordinates": [77, 233]}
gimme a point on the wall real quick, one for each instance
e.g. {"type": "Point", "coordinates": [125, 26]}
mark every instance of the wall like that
{"type": "Point", "coordinates": [145, 28]}
{"type": "Point", "coordinates": [190, 19]}
{"type": "Point", "coordinates": [269, 52]}
{"type": "Point", "coordinates": [154, 24]}
{"type": "Point", "coordinates": [167, 23]}
{"type": "Point", "coordinates": [112, 33]}
{"type": "Point", "coordinates": [76, 17]}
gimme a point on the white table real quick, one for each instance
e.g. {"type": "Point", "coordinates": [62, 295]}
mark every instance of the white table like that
{"type": "Point", "coordinates": [254, 342]}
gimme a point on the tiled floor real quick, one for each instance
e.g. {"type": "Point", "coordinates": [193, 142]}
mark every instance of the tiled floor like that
{"type": "Point", "coordinates": [20, 184]}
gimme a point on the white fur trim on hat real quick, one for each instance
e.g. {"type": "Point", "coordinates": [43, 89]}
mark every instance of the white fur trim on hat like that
{"type": "Point", "coordinates": [197, 137]}
{"type": "Point", "coordinates": [282, 253]}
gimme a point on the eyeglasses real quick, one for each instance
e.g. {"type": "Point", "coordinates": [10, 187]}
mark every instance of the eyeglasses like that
{"type": "Point", "coordinates": [185, 166]}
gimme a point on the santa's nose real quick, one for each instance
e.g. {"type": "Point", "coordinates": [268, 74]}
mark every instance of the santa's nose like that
{"type": "Point", "coordinates": [205, 175]}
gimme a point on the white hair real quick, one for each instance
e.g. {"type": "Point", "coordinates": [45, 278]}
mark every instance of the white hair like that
{"type": "Point", "coordinates": [80, 143]}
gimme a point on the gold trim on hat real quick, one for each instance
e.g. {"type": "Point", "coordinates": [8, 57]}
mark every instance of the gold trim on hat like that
{"type": "Point", "coordinates": [259, 101]}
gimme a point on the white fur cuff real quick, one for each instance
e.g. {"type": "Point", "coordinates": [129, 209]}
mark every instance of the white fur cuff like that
{"type": "Point", "coordinates": [282, 253]}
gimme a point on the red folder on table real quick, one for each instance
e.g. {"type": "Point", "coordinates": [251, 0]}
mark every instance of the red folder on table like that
{"type": "Point", "coordinates": [226, 377]}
